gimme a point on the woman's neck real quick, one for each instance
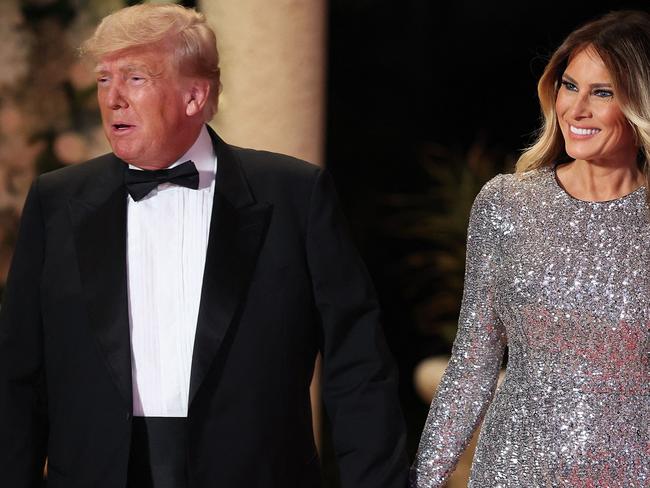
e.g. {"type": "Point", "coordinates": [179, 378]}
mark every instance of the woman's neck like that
{"type": "Point", "coordinates": [589, 181]}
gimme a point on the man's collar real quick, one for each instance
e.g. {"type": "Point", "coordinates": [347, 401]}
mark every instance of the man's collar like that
{"type": "Point", "coordinates": [204, 157]}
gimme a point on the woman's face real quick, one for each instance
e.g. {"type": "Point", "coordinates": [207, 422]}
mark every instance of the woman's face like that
{"type": "Point", "coordinates": [591, 120]}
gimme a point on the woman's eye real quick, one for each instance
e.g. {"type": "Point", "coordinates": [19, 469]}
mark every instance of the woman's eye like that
{"type": "Point", "coordinates": [603, 93]}
{"type": "Point", "coordinates": [569, 86]}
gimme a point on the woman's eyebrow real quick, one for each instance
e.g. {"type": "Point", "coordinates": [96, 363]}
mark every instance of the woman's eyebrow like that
{"type": "Point", "coordinates": [591, 85]}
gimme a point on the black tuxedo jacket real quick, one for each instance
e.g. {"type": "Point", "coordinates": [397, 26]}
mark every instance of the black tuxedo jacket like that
{"type": "Point", "coordinates": [282, 281]}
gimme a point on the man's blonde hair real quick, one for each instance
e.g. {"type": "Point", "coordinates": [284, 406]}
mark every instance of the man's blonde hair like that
{"type": "Point", "coordinates": [192, 40]}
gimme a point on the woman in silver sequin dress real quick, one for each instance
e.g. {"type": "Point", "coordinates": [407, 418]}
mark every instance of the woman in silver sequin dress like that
{"type": "Point", "coordinates": [558, 269]}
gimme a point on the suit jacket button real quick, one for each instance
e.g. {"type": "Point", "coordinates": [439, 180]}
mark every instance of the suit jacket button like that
{"type": "Point", "coordinates": [128, 415]}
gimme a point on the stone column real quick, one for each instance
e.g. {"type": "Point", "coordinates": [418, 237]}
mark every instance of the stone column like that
{"type": "Point", "coordinates": [273, 75]}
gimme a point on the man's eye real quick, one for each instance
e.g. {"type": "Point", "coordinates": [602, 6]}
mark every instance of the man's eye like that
{"type": "Point", "coordinates": [569, 86]}
{"type": "Point", "coordinates": [102, 80]}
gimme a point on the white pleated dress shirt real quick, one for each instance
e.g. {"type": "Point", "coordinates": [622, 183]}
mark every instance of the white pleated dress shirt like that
{"type": "Point", "coordinates": [167, 239]}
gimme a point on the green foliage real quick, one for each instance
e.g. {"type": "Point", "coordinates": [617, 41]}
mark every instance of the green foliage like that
{"type": "Point", "coordinates": [436, 221]}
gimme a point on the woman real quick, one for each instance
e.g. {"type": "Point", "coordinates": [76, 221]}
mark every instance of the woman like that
{"type": "Point", "coordinates": [558, 268]}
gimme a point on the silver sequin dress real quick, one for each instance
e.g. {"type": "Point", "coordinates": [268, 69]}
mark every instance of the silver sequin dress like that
{"type": "Point", "coordinates": [565, 284]}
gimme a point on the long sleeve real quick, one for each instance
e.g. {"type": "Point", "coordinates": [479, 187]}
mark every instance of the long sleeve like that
{"type": "Point", "coordinates": [23, 420]}
{"type": "Point", "coordinates": [359, 378]}
{"type": "Point", "coordinates": [469, 382]}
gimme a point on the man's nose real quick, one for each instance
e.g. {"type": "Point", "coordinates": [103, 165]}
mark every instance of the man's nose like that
{"type": "Point", "coordinates": [115, 98]}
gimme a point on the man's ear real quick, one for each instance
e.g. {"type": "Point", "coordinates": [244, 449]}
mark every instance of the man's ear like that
{"type": "Point", "coordinates": [197, 96]}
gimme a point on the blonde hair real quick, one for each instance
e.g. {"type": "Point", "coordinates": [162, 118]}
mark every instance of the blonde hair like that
{"type": "Point", "coordinates": [622, 40]}
{"type": "Point", "coordinates": [193, 41]}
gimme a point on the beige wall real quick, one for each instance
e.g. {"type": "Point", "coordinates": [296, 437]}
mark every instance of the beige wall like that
{"type": "Point", "coordinates": [273, 74]}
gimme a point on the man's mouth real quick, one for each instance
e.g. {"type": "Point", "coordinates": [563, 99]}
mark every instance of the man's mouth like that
{"type": "Point", "coordinates": [120, 127]}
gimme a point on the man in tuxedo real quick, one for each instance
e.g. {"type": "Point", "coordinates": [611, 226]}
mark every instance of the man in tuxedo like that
{"type": "Point", "coordinates": [166, 301]}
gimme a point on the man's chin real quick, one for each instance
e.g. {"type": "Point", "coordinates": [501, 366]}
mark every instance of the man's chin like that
{"type": "Point", "coordinates": [138, 162]}
{"type": "Point", "coordinates": [127, 157]}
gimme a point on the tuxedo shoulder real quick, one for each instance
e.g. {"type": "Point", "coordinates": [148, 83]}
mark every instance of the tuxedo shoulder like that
{"type": "Point", "coordinates": [73, 179]}
{"type": "Point", "coordinates": [268, 166]}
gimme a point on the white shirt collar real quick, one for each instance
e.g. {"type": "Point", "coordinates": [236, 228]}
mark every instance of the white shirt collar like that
{"type": "Point", "coordinates": [205, 160]}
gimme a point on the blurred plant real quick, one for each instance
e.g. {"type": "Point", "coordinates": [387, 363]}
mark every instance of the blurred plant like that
{"type": "Point", "coordinates": [48, 113]}
{"type": "Point", "coordinates": [432, 276]}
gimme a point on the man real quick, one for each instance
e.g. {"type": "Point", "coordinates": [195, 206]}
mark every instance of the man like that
{"type": "Point", "coordinates": [166, 302]}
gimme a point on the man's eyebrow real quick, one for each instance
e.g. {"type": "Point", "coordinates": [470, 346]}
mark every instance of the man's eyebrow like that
{"type": "Point", "coordinates": [128, 68]}
{"type": "Point", "coordinates": [591, 85]}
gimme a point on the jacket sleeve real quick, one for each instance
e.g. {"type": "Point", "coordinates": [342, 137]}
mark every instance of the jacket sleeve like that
{"type": "Point", "coordinates": [359, 382]}
{"type": "Point", "coordinates": [23, 418]}
{"type": "Point", "coordinates": [470, 379]}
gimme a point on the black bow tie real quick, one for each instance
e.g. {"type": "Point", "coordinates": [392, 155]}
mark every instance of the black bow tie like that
{"type": "Point", "coordinates": [140, 182]}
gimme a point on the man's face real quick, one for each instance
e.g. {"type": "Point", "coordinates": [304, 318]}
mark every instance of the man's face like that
{"type": "Point", "coordinates": [143, 102]}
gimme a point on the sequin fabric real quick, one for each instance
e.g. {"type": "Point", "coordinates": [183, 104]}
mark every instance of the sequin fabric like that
{"type": "Point", "coordinates": [565, 284]}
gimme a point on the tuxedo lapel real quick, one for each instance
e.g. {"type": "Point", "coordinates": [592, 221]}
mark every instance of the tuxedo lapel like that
{"type": "Point", "coordinates": [237, 230]}
{"type": "Point", "coordinates": [99, 223]}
